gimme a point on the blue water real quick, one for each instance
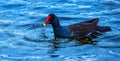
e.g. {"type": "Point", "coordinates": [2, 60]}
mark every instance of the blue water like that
{"type": "Point", "coordinates": [22, 39]}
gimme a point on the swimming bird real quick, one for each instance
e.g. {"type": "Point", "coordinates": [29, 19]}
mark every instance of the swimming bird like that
{"type": "Point", "coordinates": [80, 29]}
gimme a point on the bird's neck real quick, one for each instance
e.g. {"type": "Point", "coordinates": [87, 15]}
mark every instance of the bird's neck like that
{"type": "Point", "coordinates": [55, 24]}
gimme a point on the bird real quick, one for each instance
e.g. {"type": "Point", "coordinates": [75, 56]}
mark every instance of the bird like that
{"type": "Point", "coordinates": [80, 29]}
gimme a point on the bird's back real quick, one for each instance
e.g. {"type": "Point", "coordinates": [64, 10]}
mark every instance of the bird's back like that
{"type": "Point", "coordinates": [83, 28]}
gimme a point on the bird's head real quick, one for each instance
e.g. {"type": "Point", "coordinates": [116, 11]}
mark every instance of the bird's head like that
{"type": "Point", "coordinates": [49, 20]}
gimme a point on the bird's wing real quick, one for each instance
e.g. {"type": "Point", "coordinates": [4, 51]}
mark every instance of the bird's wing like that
{"type": "Point", "coordinates": [82, 28]}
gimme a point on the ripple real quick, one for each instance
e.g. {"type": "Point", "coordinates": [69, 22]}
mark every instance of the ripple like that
{"type": "Point", "coordinates": [104, 12]}
{"type": "Point", "coordinates": [81, 6]}
{"type": "Point", "coordinates": [12, 6]}
{"type": "Point", "coordinates": [29, 26]}
{"type": "Point", "coordinates": [40, 7]}
{"type": "Point", "coordinates": [67, 4]}
{"type": "Point", "coordinates": [7, 21]}
{"type": "Point", "coordinates": [16, 58]}
{"type": "Point", "coordinates": [16, 2]}
{"type": "Point", "coordinates": [116, 22]}
{"type": "Point", "coordinates": [55, 6]}
{"type": "Point", "coordinates": [89, 1]}
{"type": "Point", "coordinates": [109, 44]}
{"type": "Point", "coordinates": [7, 44]}
{"type": "Point", "coordinates": [69, 18]}
{"type": "Point", "coordinates": [111, 2]}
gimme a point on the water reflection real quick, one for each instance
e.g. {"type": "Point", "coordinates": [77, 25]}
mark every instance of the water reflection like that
{"type": "Point", "coordinates": [60, 42]}
{"type": "Point", "coordinates": [80, 40]}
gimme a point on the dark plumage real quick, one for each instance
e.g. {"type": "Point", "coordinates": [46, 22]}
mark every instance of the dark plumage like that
{"type": "Point", "coordinates": [75, 30]}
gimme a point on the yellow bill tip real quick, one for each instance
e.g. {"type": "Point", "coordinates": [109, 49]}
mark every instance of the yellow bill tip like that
{"type": "Point", "coordinates": [43, 25]}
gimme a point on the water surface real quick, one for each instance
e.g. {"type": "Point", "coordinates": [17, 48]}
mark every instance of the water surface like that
{"type": "Point", "coordinates": [22, 39]}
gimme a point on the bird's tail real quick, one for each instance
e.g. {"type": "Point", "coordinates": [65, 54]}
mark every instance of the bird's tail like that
{"type": "Point", "coordinates": [103, 28]}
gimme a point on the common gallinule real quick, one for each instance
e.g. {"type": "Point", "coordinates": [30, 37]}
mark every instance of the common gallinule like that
{"type": "Point", "coordinates": [74, 30]}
